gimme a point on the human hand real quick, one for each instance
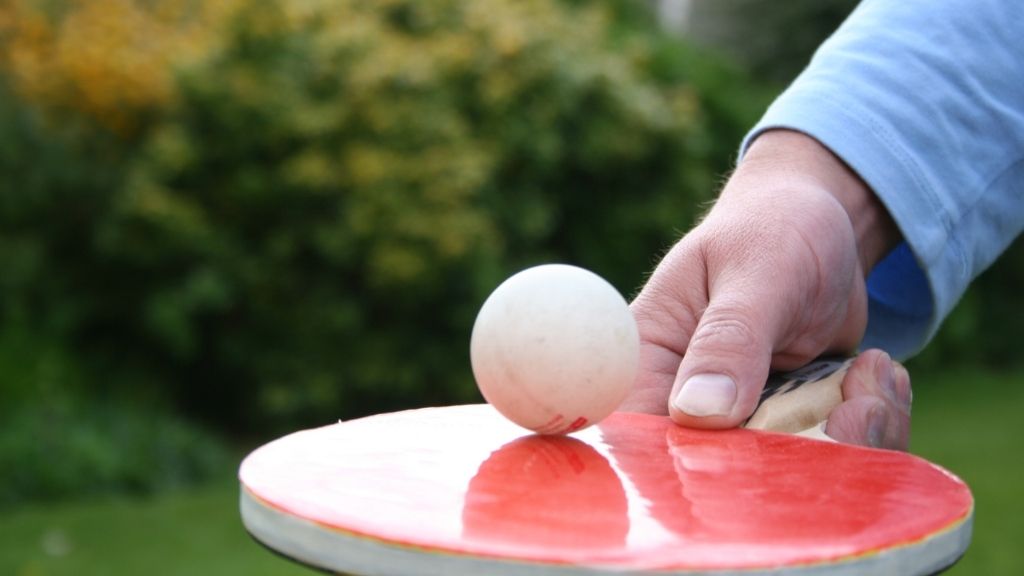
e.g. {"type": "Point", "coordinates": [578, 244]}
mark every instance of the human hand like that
{"type": "Point", "coordinates": [876, 404]}
{"type": "Point", "coordinates": [772, 278]}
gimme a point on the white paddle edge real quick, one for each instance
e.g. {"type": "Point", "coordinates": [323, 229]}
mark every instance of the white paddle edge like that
{"type": "Point", "coordinates": [335, 550]}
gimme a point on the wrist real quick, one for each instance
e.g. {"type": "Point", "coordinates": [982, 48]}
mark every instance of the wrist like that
{"type": "Point", "coordinates": [802, 160]}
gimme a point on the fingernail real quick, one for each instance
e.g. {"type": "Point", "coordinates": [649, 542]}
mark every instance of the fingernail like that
{"type": "Point", "coordinates": [903, 389]}
{"type": "Point", "coordinates": [876, 426]}
{"type": "Point", "coordinates": [706, 395]}
{"type": "Point", "coordinates": [886, 376]}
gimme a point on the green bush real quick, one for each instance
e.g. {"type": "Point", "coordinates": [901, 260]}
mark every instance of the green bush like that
{"type": "Point", "coordinates": [65, 434]}
{"type": "Point", "coordinates": [57, 450]}
{"type": "Point", "coordinates": [303, 228]}
{"type": "Point", "coordinates": [773, 40]}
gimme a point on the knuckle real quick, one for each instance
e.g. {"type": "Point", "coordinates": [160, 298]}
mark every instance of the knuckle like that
{"type": "Point", "coordinates": [723, 333]}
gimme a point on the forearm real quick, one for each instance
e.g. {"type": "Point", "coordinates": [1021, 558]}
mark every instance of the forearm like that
{"type": "Point", "coordinates": [923, 100]}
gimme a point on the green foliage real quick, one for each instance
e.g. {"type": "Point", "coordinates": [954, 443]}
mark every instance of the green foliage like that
{"type": "Point", "coordinates": [773, 40]}
{"type": "Point", "coordinates": [61, 449]}
{"type": "Point", "coordinates": [306, 228]}
{"type": "Point", "coordinates": [63, 435]}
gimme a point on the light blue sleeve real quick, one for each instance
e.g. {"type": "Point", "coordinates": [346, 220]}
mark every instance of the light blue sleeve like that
{"type": "Point", "coordinates": [924, 99]}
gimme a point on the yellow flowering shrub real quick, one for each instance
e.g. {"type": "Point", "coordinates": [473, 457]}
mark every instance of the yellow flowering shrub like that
{"type": "Point", "coordinates": [289, 210]}
{"type": "Point", "coordinates": [110, 60]}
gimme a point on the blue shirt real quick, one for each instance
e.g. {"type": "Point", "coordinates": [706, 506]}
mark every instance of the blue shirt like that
{"type": "Point", "coordinates": [924, 99]}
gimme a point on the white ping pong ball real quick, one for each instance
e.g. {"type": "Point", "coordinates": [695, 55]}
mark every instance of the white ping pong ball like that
{"type": "Point", "coordinates": [555, 348]}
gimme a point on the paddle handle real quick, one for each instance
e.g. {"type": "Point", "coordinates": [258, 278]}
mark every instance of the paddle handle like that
{"type": "Point", "coordinates": [800, 401]}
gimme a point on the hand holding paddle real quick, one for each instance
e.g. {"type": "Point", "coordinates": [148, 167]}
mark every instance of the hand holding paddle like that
{"type": "Point", "coordinates": [772, 278]}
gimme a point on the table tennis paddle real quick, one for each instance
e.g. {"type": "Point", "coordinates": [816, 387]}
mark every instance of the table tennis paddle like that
{"type": "Point", "coordinates": [460, 490]}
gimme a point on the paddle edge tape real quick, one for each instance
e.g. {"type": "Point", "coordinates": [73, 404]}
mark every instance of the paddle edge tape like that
{"type": "Point", "coordinates": [334, 550]}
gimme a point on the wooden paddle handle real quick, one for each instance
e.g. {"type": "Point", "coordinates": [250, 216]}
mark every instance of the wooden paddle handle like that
{"type": "Point", "coordinates": [800, 401]}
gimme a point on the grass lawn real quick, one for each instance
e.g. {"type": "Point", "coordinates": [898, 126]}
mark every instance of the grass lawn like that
{"type": "Point", "coordinates": [970, 424]}
{"type": "Point", "coordinates": [196, 533]}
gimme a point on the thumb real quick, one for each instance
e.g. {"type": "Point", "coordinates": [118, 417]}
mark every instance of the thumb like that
{"type": "Point", "coordinates": [725, 366]}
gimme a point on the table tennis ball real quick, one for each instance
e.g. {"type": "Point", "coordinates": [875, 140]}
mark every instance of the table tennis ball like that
{"type": "Point", "coordinates": [555, 348]}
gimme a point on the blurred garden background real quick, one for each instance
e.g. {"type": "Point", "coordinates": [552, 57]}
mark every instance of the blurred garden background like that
{"type": "Point", "coordinates": [223, 221]}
